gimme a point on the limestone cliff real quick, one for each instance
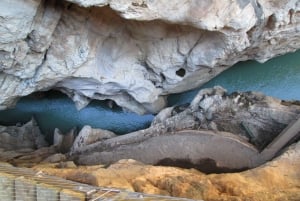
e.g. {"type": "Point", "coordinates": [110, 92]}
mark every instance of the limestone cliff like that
{"type": "Point", "coordinates": [132, 51]}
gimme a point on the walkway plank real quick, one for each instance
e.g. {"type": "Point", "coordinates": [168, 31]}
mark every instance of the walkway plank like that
{"type": "Point", "coordinates": [17, 183]}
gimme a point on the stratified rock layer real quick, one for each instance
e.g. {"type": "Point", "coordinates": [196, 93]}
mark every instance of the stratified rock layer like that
{"type": "Point", "coordinates": [161, 47]}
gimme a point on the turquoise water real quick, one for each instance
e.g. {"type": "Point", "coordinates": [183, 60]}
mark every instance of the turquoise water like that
{"type": "Point", "coordinates": [56, 110]}
{"type": "Point", "coordinates": [279, 77]}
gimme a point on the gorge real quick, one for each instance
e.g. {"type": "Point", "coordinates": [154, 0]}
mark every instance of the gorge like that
{"type": "Point", "coordinates": [86, 70]}
{"type": "Point", "coordinates": [134, 54]}
{"type": "Point", "coordinates": [278, 77]}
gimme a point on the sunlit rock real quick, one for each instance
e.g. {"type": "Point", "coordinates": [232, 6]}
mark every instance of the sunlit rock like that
{"type": "Point", "coordinates": [275, 180]}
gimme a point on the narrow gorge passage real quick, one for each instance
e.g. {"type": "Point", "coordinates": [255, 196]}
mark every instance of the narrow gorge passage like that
{"type": "Point", "coordinates": [194, 99]}
{"type": "Point", "coordinates": [278, 77]}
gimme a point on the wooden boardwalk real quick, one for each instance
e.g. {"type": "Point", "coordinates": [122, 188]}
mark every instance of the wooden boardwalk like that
{"type": "Point", "coordinates": [23, 184]}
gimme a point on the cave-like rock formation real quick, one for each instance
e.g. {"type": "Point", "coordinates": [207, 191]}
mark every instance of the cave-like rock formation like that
{"type": "Point", "coordinates": [132, 51]}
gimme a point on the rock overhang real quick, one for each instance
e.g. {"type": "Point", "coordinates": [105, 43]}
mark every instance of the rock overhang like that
{"type": "Point", "coordinates": [93, 53]}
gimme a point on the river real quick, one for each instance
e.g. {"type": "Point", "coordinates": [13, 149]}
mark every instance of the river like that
{"type": "Point", "coordinates": [279, 77]}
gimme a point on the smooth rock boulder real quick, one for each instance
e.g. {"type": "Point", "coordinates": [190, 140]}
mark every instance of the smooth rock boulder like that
{"type": "Point", "coordinates": [89, 135]}
{"type": "Point", "coordinates": [217, 132]}
{"type": "Point", "coordinates": [278, 179]}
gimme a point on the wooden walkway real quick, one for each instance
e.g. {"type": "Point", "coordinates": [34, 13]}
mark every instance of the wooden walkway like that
{"type": "Point", "coordinates": [23, 184]}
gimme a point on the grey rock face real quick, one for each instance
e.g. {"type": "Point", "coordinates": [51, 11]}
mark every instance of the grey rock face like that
{"type": "Point", "coordinates": [224, 131]}
{"type": "Point", "coordinates": [217, 129]}
{"type": "Point", "coordinates": [135, 52]}
{"type": "Point", "coordinates": [27, 136]}
{"type": "Point", "coordinates": [89, 135]}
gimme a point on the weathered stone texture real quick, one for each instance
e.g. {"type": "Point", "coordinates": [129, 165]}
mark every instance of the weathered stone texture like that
{"type": "Point", "coordinates": [27, 136]}
{"type": "Point", "coordinates": [135, 52]}
{"type": "Point", "coordinates": [275, 180]}
{"type": "Point", "coordinates": [225, 132]}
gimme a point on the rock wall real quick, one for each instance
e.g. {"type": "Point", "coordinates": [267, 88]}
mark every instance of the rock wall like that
{"type": "Point", "coordinates": [135, 52]}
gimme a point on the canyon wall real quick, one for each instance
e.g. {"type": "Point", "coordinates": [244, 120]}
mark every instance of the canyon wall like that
{"type": "Point", "coordinates": [135, 52]}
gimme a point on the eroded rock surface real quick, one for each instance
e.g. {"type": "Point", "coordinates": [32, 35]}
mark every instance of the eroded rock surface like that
{"type": "Point", "coordinates": [135, 52]}
{"type": "Point", "coordinates": [276, 180]}
{"type": "Point", "coordinates": [217, 132]}
{"type": "Point", "coordinates": [212, 113]}
{"type": "Point", "coordinates": [89, 135]}
{"type": "Point", "coordinates": [224, 131]}
{"type": "Point", "coordinates": [27, 136]}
